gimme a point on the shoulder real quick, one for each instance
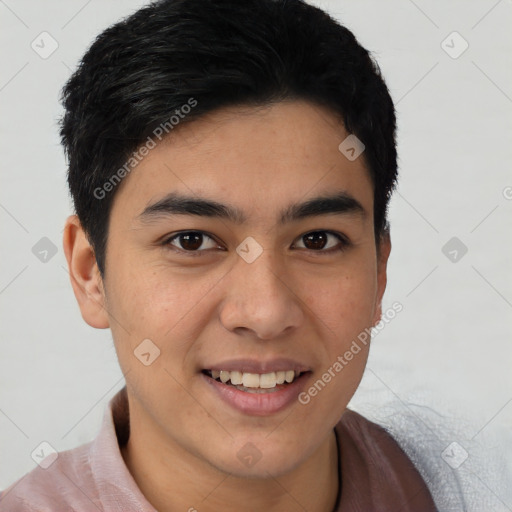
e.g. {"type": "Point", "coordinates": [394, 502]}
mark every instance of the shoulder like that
{"type": "Point", "coordinates": [376, 470]}
{"type": "Point", "coordinates": [370, 439]}
{"type": "Point", "coordinates": [67, 481]}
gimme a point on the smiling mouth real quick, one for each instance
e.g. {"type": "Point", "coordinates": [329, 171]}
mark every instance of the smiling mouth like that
{"type": "Point", "coordinates": [255, 382]}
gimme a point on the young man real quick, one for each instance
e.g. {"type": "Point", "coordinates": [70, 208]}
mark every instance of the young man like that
{"type": "Point", "coordinates": [231, 165]}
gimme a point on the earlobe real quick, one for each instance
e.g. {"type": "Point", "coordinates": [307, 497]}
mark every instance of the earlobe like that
{"type": "Point", "coordinates": [84, 274]}
{"type": "Point", "coordinates": [382, 263]}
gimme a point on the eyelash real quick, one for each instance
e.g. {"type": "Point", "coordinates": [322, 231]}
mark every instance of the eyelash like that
{"type": "Point", "coordinates": [344, 242]}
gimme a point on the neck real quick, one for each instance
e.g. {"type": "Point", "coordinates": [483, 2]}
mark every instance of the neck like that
{"type": "Point", "coordinates": [180, 480]}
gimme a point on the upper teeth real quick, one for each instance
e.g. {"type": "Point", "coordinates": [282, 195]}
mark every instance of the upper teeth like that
{"type": "Point", "coordinates": [255, 380]}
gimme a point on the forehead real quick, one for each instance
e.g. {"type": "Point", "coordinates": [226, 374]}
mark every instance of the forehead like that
{"type": "Point", "coordinates": [254, 158]}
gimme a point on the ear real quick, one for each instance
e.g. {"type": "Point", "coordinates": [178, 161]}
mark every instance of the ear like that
{"type": "Point", "coordinates": [382, 264]}
{"type": "Point", "coordinates": [84, 274]}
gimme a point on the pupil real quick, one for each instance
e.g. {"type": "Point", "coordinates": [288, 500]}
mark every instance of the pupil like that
{"type": "Point", "coordinates": [318, 240]}
{"type": "Point", "coordinates": [191, 241]}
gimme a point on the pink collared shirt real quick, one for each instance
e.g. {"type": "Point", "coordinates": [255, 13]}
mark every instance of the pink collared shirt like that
{"type": "Point", "coordinates": [376, 474]}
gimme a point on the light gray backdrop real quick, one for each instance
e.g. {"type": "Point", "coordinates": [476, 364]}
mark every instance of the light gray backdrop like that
{"type": "Point", "coordinates": [444, 361]}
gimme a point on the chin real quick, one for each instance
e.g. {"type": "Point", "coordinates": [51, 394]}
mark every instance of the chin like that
{"type": "Point", "coordinates": [256, 463]}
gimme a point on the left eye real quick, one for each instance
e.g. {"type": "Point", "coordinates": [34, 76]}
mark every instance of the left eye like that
{"type": "Point", "coordinates": [317, 241]}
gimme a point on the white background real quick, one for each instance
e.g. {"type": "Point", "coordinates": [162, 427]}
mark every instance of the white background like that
{"type": "Point", "coordinates": [445, 361]}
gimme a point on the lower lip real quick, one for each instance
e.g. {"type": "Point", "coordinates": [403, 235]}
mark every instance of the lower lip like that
{"type": "Point", "coordinates": [258, 404]}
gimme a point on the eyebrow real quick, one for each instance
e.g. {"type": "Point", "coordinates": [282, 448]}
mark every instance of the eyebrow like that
{"type": "Point", "coordinates": [340, 203]}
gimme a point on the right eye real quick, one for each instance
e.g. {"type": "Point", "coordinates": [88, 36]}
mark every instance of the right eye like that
{"type": "Point", "coordinates": [190, 242]}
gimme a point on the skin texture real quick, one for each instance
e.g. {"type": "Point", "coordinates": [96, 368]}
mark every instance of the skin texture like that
{"type": "Point", "coordinates": [293, 301]}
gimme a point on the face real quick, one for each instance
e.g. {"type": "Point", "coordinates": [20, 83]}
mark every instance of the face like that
{"type": "Point", "coordinates": [275, 291]}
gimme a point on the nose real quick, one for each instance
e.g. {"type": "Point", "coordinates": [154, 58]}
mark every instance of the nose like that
{"type": "Point", "coordinates": [260, 300]}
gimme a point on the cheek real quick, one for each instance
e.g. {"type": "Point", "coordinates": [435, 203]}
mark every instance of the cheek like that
{"type": "Point", "coordinates": [345, 310]}
{"type": "Point", "coordinates": [154, 299]}
{"type": "Point", "coordinates": [344, 304]}
{"type": "Point", "coordinates": [167, 308]}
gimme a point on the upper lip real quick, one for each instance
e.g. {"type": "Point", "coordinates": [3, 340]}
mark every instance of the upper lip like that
{"type": "Point", "coordinates": [256, 366]}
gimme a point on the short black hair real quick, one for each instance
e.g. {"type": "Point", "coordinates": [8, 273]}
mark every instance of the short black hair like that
{"type": "Point", "coordinates": [211, 54]}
